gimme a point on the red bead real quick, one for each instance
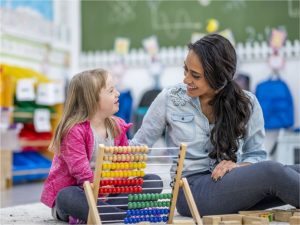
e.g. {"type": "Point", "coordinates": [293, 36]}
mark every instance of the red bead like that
{"type": "Point", "coordinates": [135, 189]}
{"type": "Point", "coordinates": [141, 181]}
{"type": "Point", "coordinates": [139, 189]}
{"type": "Point", "coordinates": [126, 189]}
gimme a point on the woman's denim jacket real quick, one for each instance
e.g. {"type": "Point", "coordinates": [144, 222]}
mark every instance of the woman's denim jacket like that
{"type": "Point", "coordinates": [181, 117]}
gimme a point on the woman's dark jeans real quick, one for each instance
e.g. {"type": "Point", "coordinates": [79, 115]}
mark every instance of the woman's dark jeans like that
{"type": "Point", "coordinates": [258, 186]}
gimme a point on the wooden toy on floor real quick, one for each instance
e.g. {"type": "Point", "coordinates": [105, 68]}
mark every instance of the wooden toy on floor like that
{"type": "Point", "coordinates": [121, 170]}
{"type": "Point", "coordinates": [259, 217]}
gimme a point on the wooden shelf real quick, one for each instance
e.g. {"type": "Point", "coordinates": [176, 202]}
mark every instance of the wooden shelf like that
{"type": "Point", "coordinates": [29, 115]}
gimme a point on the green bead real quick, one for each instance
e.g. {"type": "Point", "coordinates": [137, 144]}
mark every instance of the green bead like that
{"type": "Point", "coordinates": [144, 197]}
{"type": "Point", "coordinates": [130, 197]}
{"type": "Point", "coordinates": [156, 196]}
{"type": "Point", "coordinates": [152, 196]}
{"type": "Point", "coordinates": [148, 197]}
{"type": "Point", "coordinates": [134, 205]}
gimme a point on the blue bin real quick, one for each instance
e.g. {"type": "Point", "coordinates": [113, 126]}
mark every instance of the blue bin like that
{"type": "Point", "coordinates": [29, 166]}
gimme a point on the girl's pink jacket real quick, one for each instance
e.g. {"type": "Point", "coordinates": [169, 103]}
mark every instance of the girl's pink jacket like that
{"type": "Point", "coordinates": [72, 166]}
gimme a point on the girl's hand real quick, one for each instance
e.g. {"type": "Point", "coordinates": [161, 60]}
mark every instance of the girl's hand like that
{"type": "Point", "coordinates": [225, 166]}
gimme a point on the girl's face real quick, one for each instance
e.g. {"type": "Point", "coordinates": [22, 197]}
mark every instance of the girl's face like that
{"type": "Point", "coordinates": [109, 98]}
{"type": "Point", "coordinates": [197, 85]}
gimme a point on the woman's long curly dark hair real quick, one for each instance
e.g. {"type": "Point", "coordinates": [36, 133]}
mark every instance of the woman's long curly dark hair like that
{"type": "Point", "coordinates": [231, 106]}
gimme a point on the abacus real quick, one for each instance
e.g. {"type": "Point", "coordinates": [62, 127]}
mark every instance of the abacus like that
{"type": "Point", "coordinates": [120, 170]}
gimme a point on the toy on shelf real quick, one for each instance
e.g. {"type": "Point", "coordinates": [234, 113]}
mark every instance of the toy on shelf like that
{"type": "Point", "coordinates": [120, 170]}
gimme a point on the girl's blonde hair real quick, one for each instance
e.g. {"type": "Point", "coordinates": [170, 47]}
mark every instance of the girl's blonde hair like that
{"type": "Point", "coordinates": [81, 104]}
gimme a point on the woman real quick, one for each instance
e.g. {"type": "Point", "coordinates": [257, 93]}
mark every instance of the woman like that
{"type": "Point", "coordinates": [223, 127]}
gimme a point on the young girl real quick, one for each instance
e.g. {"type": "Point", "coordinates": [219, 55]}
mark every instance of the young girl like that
{"type": "Point", "coordinates": [87, 121]}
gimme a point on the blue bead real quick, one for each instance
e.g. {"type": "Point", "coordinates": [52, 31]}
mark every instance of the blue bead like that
{"type": "Point", "coordinates": [126, 220]}
{"type": "Point", "coordinates": [165, 218]}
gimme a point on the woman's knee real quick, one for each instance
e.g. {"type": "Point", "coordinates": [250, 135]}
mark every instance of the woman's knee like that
{"type": "Point", "coordinates": [272, 169]}
{"type": "Point", "coordinates": [182, 206]}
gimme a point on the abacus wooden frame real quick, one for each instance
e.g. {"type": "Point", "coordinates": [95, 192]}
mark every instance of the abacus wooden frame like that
{"type": "Point", "coordinates": [92, 190]}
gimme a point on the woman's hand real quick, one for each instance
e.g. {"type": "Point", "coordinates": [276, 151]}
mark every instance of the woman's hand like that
{"type": "Point", "coordinates": [225, 166]}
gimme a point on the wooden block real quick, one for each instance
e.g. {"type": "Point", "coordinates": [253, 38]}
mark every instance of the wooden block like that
{"type": "Point", "coordinates": [294, 220]}
{"type": "Point", "coordinates": [247, 220]}
{"type": "Point", "coordinates": [211, 220]}
{"type": "Point", "coordinates": [282, 216]}
{"type": "Point", "coordinates": [232, 217]}
{"type": "Point", "coordinates": [230, 222]}
{"type": "Point", "coordinates": [254, 212]}
{"type": "Point", "coordinates": [296, 214]}
{"type": "Point", "coordinates": [185, 222]}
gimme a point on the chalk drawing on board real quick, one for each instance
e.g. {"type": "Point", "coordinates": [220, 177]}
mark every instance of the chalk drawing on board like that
{"type": "Point", "coordinates": [172, 27]}
{"type": "Point", "coordinates": [122, 12]}
{"type": "Point", "coordinates": [293, 10]}
{"type": "Point", "coordinates": [204, 2]}
{"type": "Point", "coordinates": [234, 5]}
{"type": "Point", "coordinates": [253, 35]}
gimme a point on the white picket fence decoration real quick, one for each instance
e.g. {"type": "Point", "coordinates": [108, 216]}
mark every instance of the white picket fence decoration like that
{"type": "Point", "coordinates": [172, 56]}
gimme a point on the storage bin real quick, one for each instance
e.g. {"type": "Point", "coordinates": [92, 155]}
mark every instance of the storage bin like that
{"type": "Point", "coordinates": [29, 166]}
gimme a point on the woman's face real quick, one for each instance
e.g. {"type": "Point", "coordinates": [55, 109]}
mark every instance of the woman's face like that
{"type": "Point", "coordinates": [197, 85]}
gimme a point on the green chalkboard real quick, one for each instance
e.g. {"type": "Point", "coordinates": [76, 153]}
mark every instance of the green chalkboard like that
{"type": "Point", "coordinates": [173, 22]}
